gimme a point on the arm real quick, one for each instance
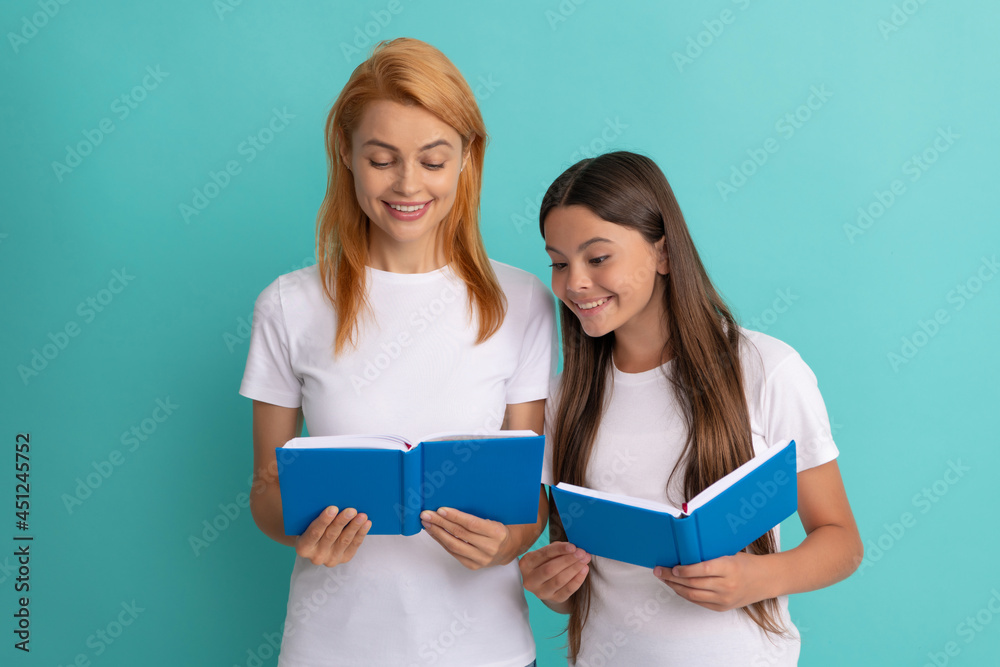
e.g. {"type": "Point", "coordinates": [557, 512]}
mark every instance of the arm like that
{"type": "Point", "coordinates": [831, 551]}
{"type": "Point", "coordinates": [334, 537]}
{"type": "Point", "coordinates": [527, 416]}
{"type": "Point", "coordinates": [476, 542]}
{"type": "Point", "coordinates": [273, 426]}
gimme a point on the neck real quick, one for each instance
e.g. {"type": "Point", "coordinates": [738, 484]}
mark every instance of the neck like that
{"type": "Point", "coordinates": [636, 355]}
{"type": "Point", "coordinates": [405, 257]}
{"type": "Point", "coordinates": [641, 345]}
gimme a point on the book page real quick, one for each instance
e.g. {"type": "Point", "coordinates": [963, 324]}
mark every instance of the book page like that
{"type": "Point", "coordinates": [485, 435]}
{"type": "Point", "coordinates": [360, 441]}
{"type": "Point", "coordinates": [621, 499]}
{"type": "Point", "coordinates": [718, 487]}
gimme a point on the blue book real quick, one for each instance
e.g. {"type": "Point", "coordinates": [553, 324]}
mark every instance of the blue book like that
{"type": "Point", "coordinates": [494, 476]}
{"type": "Point", "coordinates": [720, 521]}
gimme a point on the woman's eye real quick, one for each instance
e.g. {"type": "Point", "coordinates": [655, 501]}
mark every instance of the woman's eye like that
{"type": "Point", "coordinates": [379, 165]}
{"type": "Point", "coordinates": [557, 266]}
{"type": "Point", "coordinates": [599, 260]}
{"type": "Point", "coordinates": [434, 166]}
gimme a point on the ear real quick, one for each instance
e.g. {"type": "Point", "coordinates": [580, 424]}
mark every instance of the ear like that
{"type": "Point", "coordinates": [345, 153]}
{"type": "Point", "coordinates": [662, 261]}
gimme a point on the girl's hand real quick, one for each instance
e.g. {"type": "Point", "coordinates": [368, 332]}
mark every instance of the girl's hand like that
{"type": "Point", "coordinates": [719, 584]}
{"type": "Point", "coordinates": [333, 538]}
{"type": "Point", "coordinates": [554, 572]}
{"type": "Point", "coordinates": [474, 542]}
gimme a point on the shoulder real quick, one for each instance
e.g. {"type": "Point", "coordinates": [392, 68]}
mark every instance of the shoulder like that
{"type": "Point", "coordinates": [771, 365]}
{"type": "Point", "coordinates": [767, 353]}
{"type": "Point", "coordinates": [299, 286]}
{"type": "Point", "coordinates": [515, 281]}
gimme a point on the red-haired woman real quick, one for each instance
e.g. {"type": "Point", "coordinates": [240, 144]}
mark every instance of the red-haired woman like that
{"type": "Point", "coordinates": [457, 342]}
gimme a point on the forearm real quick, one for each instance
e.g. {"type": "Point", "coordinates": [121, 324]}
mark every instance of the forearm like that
{"type": "Point", "coordinates": [558, 607]}
{"type": "Point", "coordinates": [827, 555]}
{"type": "Point", "coordinates": [520, 539]}
{"type": "Point", "coordinates": [265, 506]}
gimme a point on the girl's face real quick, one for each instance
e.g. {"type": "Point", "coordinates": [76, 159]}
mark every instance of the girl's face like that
{"type": "Point", "coordinates": [606, 273]}
{"type": "Point", "coordinates": [406, 163]}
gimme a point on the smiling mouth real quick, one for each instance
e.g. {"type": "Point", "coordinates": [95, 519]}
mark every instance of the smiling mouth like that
{"type": "Point", "coordinates": [403, 208]}
{"type": "Point", "coordinates": [590, 305]}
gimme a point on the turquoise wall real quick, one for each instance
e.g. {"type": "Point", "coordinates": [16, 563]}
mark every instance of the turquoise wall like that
{"type": "Point", "coordinates": [162, 163]}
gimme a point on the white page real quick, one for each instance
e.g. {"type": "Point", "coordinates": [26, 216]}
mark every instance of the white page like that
{"type": "Point", "coordinates": [718, 487]}
{"type": "Point", "coordinates": [624, 500]}
{"type": "Point", "coordinates": [372, 441]}
{"type": "Point", "coordinates": [349, 442]}
{"type": "Point", "coordinates": [486, 435]}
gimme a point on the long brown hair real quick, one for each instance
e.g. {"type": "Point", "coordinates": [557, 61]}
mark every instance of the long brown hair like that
{"type": "Point", "coordinates": [703, 339]}
{"type": "Point", "coordinates": [407, 71]}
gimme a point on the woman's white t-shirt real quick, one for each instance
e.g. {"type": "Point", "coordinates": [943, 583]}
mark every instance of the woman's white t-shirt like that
{"type": "Point", "coordinates": [634, 618]}
{"type": "Point", "coordinates": [416, 370]}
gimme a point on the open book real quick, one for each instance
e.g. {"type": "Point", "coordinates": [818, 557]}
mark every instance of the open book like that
{"type": "Point", "coordinates": [720, 521]}
{"type": "Point", "coordinates": [496, 475]}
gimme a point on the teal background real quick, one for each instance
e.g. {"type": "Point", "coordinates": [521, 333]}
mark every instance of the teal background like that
{"type": "Point", "coordinates": [558, 75]}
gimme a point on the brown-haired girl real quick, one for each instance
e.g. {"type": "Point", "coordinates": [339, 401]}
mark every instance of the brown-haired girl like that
{"type": "Point", "coordinates": [661, 394]}
{"type": "Point", "coordinates": [405, 326]}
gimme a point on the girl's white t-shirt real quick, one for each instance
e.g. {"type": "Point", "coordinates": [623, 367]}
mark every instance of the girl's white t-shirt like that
{"type": "Point", "coordinates": [416, 370]}
{"type": "Point", "coordinates": [635, 619]}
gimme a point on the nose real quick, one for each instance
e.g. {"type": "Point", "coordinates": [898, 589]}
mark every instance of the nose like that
{"type": "Point", "coordinates": [407, 180]}
{"type": "Point", "coordinates": [577, 279]}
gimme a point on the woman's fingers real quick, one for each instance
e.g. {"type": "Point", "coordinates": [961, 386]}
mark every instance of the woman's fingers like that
{"type": "Point", "coordinates": [333, 537]}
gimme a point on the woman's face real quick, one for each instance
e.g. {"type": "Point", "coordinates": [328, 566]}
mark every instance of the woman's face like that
{"type": "Point", "coordinates": [607, 274]}
{"type": "Point", "coordinates": [406, 163]}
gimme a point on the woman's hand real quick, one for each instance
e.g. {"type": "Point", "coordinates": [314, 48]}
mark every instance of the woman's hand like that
{"type": "Point", "coordinates": [719, 584]}
{"type": "Point", "coordinates": [476, 543]}
{"type": "Point", "coordinates": [333, 538]}
{"type": "Point", "coordinates": [554, 572]}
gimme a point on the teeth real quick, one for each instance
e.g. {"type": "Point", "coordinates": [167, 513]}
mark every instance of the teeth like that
{"type": "Point", "coordinates": [592, 304]}
{"type": "Point", "coordinates": [407, 209]}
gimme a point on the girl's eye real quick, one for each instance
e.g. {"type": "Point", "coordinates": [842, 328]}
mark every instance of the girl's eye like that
{"type": "Point", "coordinates": [599, 260]}
{"type": "Point", "coordinates": [558, 266]}
{"type": "Point", "coordinates": [379, 165]}
{"type": "Point", "coordinates": [434, 166]}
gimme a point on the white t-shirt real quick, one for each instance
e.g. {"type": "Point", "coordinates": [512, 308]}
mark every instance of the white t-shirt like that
{"type": "Point", "coordinates": [634, 618]}
{"type": "Point", "coordinates": [416, 370]}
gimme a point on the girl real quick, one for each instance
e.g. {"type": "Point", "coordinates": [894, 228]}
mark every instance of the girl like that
{"type": "Point", "coordinates": [404, 326]}
{"type": "Point", "coordinates": [661, 395]}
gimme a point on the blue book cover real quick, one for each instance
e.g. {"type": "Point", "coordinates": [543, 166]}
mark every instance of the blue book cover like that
{"type": "Point", "coordinates": [720, 521]}
{"type": "Point", "coordinates": [495, 476]}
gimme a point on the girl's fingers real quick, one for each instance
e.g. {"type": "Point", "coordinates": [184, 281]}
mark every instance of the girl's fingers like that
{"type": "Point", "coordinates": [572, 586]}
{"type": "Point", "coordinates": [564, 578]}
{"type": "Point", "coordinates": [552, 575]}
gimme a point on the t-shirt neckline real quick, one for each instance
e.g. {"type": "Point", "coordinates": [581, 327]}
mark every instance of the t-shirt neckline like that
{"type": "Point", "coordinates": [445, 272]}
{"type": "Point", "coordinates": [621, 377]}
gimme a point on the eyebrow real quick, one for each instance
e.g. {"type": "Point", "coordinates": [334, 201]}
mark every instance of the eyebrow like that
{"type": "Point", "coordinates": [584, 245]}
{"type": "Point", "coordinates": [433, 144]}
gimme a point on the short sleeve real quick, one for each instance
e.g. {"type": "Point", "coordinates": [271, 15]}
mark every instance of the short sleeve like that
{"type": "Point", "coordinates": [268, 376]}
{"type": "Point", "coordinates": [550, 417]}
{"type": "Point", "coordinates": [793, 409]}
{"type": "Point", "coordinates": [530, 381]}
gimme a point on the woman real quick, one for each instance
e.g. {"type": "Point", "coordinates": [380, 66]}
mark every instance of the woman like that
{"type": "Point", "coordinates": [404, 326]}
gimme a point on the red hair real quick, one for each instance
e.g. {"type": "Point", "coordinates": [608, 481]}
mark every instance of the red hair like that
{"type": "Point", "coordinates": [407, 71]}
